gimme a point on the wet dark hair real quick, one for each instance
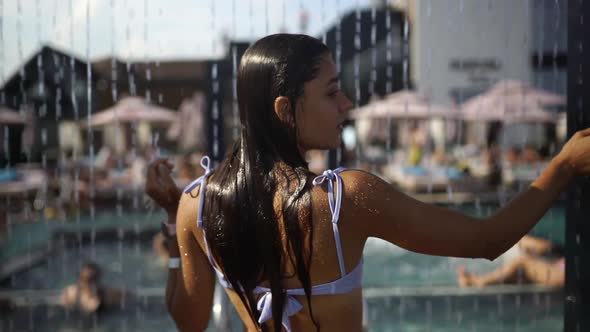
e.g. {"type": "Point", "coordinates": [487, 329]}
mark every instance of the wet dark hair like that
{"type": "Point", "coordinates": [265, 167]}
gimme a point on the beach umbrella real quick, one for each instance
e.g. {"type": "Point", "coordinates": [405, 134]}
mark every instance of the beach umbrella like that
{"type": "Point", "coordinates": [526, 91]}
{"type": "Point", "coordinates": [404, 104]}
{"type": "Point", "coordinates": [133, 110]}
{"type": "Point", "coordinates": [512, 101]}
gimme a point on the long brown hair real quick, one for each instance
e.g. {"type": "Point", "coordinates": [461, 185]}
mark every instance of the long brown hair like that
{"type": "Point", "coordinates": [241, 222]}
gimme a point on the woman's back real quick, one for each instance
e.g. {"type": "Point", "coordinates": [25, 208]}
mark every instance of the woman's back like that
{"type": "Point", "coordinates": [324, 268]}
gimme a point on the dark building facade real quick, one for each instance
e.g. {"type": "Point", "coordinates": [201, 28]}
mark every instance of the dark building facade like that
{"type": "Point", "coordinates": [52, 86]}
{"type": "Point", "coordinates": [370, 47]}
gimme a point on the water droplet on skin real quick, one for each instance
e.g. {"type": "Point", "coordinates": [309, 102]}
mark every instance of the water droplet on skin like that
{"type": "Point", "coordinates": [374, 211]}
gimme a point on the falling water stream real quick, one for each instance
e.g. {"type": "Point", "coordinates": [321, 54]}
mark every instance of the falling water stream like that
{"type": "Point", "coordinates": [46, 235]}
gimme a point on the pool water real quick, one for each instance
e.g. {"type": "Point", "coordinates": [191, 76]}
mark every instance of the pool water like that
{"type": "Point", "coordinates": [125, 264]}
{"type": "Point", "coordinates": [445, 314]}
{"type": "Point", "coordinates": [532, 312]}
{"type": "Point", "coordinates": [133, 266]}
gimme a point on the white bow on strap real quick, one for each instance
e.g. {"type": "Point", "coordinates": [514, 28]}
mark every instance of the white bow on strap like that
{"type": "Point", "coordinates": [201, 181]}
{"type": "Point", "coordinates": [332, 175]}
{"type": "Point", "coordinates": [292, 306]}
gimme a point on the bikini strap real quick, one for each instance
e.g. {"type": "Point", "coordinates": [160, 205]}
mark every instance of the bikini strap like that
{"type": "Point", "coordinates": [335, 202]}
{"type": "Point", "coordinates": [202, 182]}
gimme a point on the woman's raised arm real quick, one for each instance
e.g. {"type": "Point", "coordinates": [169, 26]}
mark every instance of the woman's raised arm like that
{"type": "Point", "coordinates": [189, 292]}
{"type": "Point", "coordinates": [384, 212]}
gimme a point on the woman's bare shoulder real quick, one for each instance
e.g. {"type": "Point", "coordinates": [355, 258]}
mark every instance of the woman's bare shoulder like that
{"type": "Point", "coordinates": [364, 195]}
{"type": "Point", "coordinates": [358, 182]}
{"type": "Point", "coordinates": [368, 197]}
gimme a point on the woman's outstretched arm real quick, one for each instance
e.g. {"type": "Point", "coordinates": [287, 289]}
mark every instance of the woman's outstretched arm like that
{"type": "Point", "coordinates": [386, 213]}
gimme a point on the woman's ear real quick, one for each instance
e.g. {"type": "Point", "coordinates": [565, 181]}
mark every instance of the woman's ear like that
{"type": "Point", "coordinates": [283, 109]}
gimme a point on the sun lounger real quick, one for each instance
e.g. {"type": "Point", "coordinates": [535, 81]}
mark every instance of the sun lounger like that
{"type": "Point", "coordinates": [421, 179]}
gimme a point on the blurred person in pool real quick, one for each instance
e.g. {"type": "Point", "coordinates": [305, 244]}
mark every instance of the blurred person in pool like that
{"type": "Point", "coordinates": [88, 294]}
{"type": "Point", "coordinates": [286, 244]}
{"type": "Point", "coordinates": [540, 262]}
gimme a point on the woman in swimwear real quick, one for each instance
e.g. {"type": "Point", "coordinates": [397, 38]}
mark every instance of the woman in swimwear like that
{"type": "Point", "coordinates": [88, 294]}
{"type": "Point", "coordinates": [287, 244]}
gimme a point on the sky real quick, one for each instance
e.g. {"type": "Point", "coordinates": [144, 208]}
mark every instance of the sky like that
{"type": "Point", "coordinates": [151, 29]}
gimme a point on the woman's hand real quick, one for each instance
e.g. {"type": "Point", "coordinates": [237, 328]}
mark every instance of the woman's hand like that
{"type": "Point", "coordinates": [160, 186]}
{"type": "Point", "coordinates": [575, 154]}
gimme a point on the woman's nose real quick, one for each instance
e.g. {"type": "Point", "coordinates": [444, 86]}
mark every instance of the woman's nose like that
{"type": "Point", "coordinates": [345, 104]}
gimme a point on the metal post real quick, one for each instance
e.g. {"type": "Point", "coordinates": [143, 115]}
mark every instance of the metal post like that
{"type": "Point", "coordinates": [215, 97]}
{"type": "Point", "coordinates": [577, 288]}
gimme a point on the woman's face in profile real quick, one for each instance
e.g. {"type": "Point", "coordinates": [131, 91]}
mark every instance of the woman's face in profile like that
{"type": "Point", "coordinates": [322, 109]}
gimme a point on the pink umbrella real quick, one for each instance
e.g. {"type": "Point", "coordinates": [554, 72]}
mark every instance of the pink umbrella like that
{"type": "Point", "coordinates": [133, 109]}
{"type": "Point", "coordinates": [527, 92]}
{"type": "Point", "coordinates": [8, 117]}
{"type": "Point", "coordinates": [512, 101]}
{"type": "Point", "coordinates": [404, 104]}
{"type": "Point", "coordinates": [401, 105]}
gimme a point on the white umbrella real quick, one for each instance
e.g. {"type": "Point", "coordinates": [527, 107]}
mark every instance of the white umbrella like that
{"type": "Point", "coordinates": [133, 109]}
{"type": "Point", "coordinates": [512, 101]}
{"type": "Point", "coordinates": [404, 104]}
{"type": "Point", "coordinates": [8, 117]}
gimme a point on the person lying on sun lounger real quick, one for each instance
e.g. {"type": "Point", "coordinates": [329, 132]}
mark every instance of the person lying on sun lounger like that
{"type": "Point", "coordinates": [542, 262]}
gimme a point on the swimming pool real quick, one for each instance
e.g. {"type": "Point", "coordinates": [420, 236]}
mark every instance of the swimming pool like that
{"type": "Point", "coordinates": [445, 314]}
{"type": "Point", "coordinates": [131, 264]}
